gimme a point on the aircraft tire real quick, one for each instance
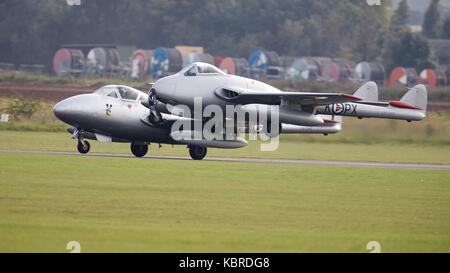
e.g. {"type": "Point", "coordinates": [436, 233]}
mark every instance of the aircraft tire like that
{"type": "Point", "coordinates": [197, 152]}
{"type": "Point", "coordinates": [83, 149]}
{"type": "Point", "coordinates": [139, 150]}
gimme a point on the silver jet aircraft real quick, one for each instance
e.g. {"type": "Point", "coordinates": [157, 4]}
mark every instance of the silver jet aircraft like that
{"type": "Point", "coordinates": [117, 113]}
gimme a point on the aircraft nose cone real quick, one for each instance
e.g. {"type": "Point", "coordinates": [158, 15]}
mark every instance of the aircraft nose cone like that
{"type": "Point", "coordinates": [76, 110]}
{"type": "Point", "coordinates": [61, 110]}
{"type": "Point", "coordinates": [165, 88]}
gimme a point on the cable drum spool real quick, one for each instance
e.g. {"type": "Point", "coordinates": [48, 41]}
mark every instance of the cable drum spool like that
{"type": "Point", "coordinates": [403, 76]}
{"type": "Point", "coordinates": [441, 77]}
{"type": "Point", "coordinates": [321, 61]}
{"type": "Point", "coordinates": [304, 69]}
{"type": "Point", "coordinates": [428, 77]}
{"type": "Point", "coordinates": [68, 61]}
{"type": "Point", "coordinates": [330, 72]}
{"type": "Point", "coordinates": [140, 63]}
{"type": "Point", "coordinates": [96, 60]}
{"type": "Point", "coordinates": [235, 66]}
{"type": "Point", "coordinates": [286, 63]}
{"type": "Point", "coordinates": [165, 61]}
{"type": "Point", "coordinates": [218, 60]}
{"type": "Point", "coordinates": [345, 70]}
{"type": "Point", "coordinates": [365, 72]}
{"type": "Point", "coordinates": [338, 70]}
{"type": "Point", "coordinates": [433, 78]}
{"type": "Point", "coordinates": [113, 59]}
{"type": "Point", "coordinates": [265, 64]}
{"type": "Point", "coordinates": [101, 60]}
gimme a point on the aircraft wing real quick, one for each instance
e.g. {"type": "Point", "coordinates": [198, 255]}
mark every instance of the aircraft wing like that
{"type": "Point", "coordinates": [249, 96]}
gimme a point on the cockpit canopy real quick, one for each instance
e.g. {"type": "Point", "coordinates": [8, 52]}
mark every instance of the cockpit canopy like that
{"type": "Point", "coordinates": [121, 92]}
{"type": "Point", "coordinates": [202, 69]}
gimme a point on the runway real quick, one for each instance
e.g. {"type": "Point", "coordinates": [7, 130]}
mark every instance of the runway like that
{"type": "Point", "coordinates": [253, 160]}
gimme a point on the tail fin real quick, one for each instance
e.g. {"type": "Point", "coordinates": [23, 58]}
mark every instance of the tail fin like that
{"type": "Point", "coordinates": [417, 96]}
{"type": "Point", "coordinates": [368, 92]}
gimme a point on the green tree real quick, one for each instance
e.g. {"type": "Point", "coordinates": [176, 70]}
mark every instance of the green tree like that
{"type": "Point", "coordinates": [32, 30]}
{"type": "Point", "coordinates": [370, 34]}
{"type": "Point", "coordinates": [412, 50]}
{"type": "Point", "coordinates": [431, 20]}
{"type": "Point", "coordinates": [290, 35]}
{"type": "Point", "coordinates": [397, 27]}
{"type": "Point", "coordinates": [445, 32]}
{"type": "Point", "coordinates": [400, 18]}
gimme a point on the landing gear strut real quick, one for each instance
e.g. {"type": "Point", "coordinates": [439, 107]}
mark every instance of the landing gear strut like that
{"type": "Point", "coordinates": [83, 146]}
{"type": "Point", "coordinates": [138, 149]}
{"type": "Point", "coordinates": [155, 117]}
{"type": "Point", "coordinates": [197, 152]}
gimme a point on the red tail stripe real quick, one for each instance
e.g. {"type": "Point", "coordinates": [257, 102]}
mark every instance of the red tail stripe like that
{"type": "Point", "coordinates": [403, 105]}
{"type": "Point", "coordinates": [351, 97]}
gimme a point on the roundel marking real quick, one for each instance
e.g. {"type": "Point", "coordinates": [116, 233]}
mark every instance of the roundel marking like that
{"type": "Point", "coordinates": [338, 108]}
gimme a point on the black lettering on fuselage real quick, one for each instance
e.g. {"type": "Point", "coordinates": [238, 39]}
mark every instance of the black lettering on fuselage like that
{"type": "Point", "coordinates": [354, 106]}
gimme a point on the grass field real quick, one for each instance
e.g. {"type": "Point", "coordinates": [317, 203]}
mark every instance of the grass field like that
{"type": "Point", "coordinates": [332, 148]}
{"type": "Point", "coordinates": [149, 205]}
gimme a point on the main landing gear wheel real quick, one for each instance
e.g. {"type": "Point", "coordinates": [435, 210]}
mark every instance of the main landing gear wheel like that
{"type": "Point", "coordinates": [197, 152]}
{"type": "Point", "coordinates": [83, 147]}
{"type": "Point", "coordinates": [139, 150]}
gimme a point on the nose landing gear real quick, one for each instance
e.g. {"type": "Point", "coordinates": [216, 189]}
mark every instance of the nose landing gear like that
{"type": "Point", "coordinates": [83, 146]}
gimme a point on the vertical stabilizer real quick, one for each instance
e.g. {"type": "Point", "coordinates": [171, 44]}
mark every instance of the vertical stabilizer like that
{"type": "Point", "coordinates": [368, 92]}
{"type": "Point", "coordinates": [417, 96]}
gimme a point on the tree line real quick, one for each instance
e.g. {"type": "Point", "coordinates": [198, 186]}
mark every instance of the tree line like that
{"type": "Point", "coordinates": [32, 30]}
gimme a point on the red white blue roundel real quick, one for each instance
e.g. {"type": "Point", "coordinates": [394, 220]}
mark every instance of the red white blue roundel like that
{"type": "Point", "coordinates": [338, 108]}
